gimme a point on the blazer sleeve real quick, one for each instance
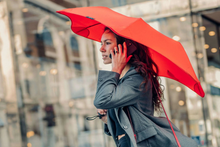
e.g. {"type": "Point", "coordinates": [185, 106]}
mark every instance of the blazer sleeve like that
{"type": "Point", "coordinates": [110, 94]}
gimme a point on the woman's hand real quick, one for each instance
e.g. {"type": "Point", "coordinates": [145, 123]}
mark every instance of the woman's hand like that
{"type": "Point", "coordinates": [119, 59]}
{"type": "Point", "coordinates": [103, 112]}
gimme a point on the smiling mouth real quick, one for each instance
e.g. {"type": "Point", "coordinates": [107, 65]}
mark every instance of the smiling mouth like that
{"type": "Point", "coordinates": [104, 56]}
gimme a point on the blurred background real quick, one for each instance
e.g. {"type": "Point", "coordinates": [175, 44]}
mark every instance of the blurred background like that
{"type": "Point", "coordinates": [48, 74]}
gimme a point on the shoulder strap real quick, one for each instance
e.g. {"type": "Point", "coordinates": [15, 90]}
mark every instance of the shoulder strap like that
{"type": "Point", "coordinates": [174, 134]}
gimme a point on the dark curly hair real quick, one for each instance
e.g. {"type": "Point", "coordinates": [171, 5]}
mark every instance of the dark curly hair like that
{"type": "Point", "coordinates": [146, 67]}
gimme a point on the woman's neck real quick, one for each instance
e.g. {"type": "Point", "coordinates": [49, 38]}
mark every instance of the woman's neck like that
{"type": "Point", "coordinates": [124, 71]}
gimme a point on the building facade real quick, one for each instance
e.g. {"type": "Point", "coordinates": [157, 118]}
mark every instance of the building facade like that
{"type": "Point", "coordinates": [48, 74]}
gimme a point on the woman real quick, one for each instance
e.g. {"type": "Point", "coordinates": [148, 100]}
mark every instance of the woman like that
{"type": "Point", "coordinates": [129, 94]}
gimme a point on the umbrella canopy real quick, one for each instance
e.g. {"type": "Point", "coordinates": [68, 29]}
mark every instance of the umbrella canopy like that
{"type": "Point", "coordinates": [167, 53]}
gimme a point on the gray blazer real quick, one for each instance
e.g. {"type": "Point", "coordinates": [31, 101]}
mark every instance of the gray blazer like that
{"type": "Point", "coordinates": [150, 131]}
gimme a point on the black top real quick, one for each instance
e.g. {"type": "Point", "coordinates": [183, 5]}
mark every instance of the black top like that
{"type": "Point", "coordinates": [118, 129]}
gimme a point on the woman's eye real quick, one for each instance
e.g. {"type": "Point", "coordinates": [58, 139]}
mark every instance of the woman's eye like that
{"type": "Point", "coordinates": [108, 43]}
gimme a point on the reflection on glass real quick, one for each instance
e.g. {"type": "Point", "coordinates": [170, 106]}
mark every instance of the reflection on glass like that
{"type": "Point", "coordinates": [172, 86]}
{"type": "Point", "coordinates": [25, 10]}
{"type": "Point", "coordinates": [199, 55]}
{"type": "Point", "coordinates": [211, 33]}
{"type": "Point", "coordinates": [42, 73]}
{"type": "Point", "coordinates": [181, 103]}
{"type": "Point", "coordinates": [177, 38]}
{"type": "Point", "coordinates": [195, 25]}
{"type": "Point", "coordinates": [178, 89]}
{"type": "Point", "coordinates": [206, 46]}
{"type": "Point", "coordinates": [182, 18]}
{"type": "Point", "coordinates": [25, 65]}
{"type": "Point", "coordinates": [214, 50]}
{"type": "Point", "coordinates": [29, 145]}
{"type": "Point", "coordinates": [71, 103]}
{"type": "Point", "coordinates": [30, 134]}
{"type": "Point", "coordinates": [202, 28]}
{"type": "Point", "coordinates": [53, 71]}
{"type": "Point", "coordinates": [68, 22]}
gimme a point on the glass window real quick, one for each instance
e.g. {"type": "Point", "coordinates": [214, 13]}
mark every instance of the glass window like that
{"type": "Point", "coordinates": [47, 38]}
{"type": "Point", "coordinates": [48, 75]}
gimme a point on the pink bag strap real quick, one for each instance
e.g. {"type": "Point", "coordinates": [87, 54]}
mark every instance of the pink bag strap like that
{"type": "Point", "coordinates": [174, 134]}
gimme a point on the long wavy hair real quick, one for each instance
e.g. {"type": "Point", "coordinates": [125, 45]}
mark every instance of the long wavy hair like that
{"type": "Point", "coordinates": [146, 67]}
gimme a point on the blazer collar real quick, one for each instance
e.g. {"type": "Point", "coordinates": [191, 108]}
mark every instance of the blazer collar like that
{"type": "Point", "coordinates": [130, 72]}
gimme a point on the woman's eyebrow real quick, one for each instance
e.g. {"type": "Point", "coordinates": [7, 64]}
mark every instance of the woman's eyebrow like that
{"type": "Point", "coordinates": [106, 40]}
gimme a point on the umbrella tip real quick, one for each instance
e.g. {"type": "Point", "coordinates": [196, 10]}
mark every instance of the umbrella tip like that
{"type": "Point", "coordinates": [199, 90]}
{"type": "Point", "coordinates": [58, 11]}
{"type": "Point", "coordinates": [89, 17]}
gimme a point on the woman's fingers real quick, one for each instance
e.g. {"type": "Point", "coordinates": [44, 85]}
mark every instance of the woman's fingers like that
{"type": "Point", "coordinates": [102, 111]}
{"type": "Point", "coordinates": [113, 55]}
{"type": "Point", "coordinates": [125, 49]}
{"type": "Point", "coordinates": [120, 49]}
{"type": "Point", "coordinates": [119, 59]}
{"type": "Point", "coordinates": [128, 58]}
{"type": "Point", "coordinates": [116, 50]}
{"type": "Point", "coordinates": [104, 119]}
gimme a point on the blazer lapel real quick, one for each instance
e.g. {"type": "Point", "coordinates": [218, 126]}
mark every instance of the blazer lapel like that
{"type": "Point", "coordinates": [125, 124]}
{"type": "Point", "coordinates": [109, 122]}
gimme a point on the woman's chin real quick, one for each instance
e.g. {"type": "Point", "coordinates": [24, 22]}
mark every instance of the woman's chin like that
{"type": "Point", "coordinates": [107, 62]}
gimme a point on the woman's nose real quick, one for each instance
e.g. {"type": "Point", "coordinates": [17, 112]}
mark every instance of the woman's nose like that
{"type": "Point", "coordinates": [102, 48]}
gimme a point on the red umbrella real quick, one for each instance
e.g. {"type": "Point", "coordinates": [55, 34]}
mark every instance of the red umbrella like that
{"type": "Point", "coordinates": [168, 54]}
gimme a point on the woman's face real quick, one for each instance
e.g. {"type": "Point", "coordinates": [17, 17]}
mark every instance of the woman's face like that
{"type": "Point", "coordinates": [108, 42]}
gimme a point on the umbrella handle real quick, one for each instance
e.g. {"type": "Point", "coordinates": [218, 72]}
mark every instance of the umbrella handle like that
{"type": "Point", "coordinates": [174, 134]}
{"type": "Point", "coordinates": [94, 117]}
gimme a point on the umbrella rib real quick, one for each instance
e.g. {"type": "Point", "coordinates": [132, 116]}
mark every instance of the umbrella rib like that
{"type": "Point", "coordinates": [88, 27]}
